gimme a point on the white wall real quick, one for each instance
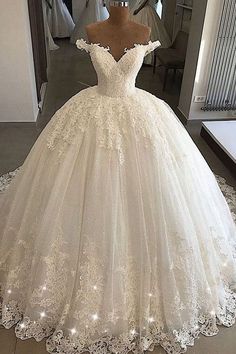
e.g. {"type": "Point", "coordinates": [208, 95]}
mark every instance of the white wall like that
{"type": "Point", "coordinates": [203, 33]}
{"type": "Point", "coordinates": [18, 98]}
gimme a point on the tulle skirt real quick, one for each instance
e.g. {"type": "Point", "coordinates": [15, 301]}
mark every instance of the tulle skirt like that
{"type": "Point", "coordinates": [114, 234]}
{"type": "Point", "coordinates": [60, 21]}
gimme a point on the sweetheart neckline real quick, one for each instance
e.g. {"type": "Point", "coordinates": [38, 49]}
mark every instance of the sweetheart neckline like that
{"type": "Point", "coordinates": [107, 49]}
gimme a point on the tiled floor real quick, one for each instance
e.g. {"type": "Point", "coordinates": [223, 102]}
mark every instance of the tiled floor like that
{"type": "Point", "coordinates": [70, 72]}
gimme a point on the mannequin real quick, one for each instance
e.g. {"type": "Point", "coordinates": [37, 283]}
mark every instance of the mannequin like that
{"type": "Point", "coordinates": [118, 32]}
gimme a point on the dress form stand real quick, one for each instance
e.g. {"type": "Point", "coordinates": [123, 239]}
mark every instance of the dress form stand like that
{"type": "Point", "coordinates": [118, 31]}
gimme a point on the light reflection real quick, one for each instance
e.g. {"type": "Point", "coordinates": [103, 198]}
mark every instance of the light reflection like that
{"type": "Point", "coordinates": [95, 316]}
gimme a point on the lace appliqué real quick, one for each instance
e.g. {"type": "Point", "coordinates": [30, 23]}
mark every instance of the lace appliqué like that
{"type": "Point", "coordinates": [109, 123]}
{"type": "Point", "coordinates": [57, 272]}
{"type": "Point", "coordinates": [152, 46]}
{"type": "Point", "coordinates": [112, 107]}
{"type": "Point", "coordinates": [46, 302]}
{"type": "Point", "coordinates": [149, 47]}
{"type": "Point", "coordinates": [134, 340]}
{"type": "Point", "coordinates": [83, 45]}
{"type": "Point", "coordinates": [6, 179]}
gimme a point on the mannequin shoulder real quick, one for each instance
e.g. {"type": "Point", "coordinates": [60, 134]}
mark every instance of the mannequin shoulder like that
{"type": "Point", "coordinates": [142, 32]}
{"type": "Point", "coordinates": [94, 31]}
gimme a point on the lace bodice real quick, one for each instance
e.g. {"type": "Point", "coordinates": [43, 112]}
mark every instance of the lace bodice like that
{"type": "Point", "coordinates": [117, 78]}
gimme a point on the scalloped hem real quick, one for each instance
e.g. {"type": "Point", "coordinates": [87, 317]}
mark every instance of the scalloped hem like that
{"type": "Point", "coordinates": [173, 343]}
{"type": "Point", "coordinates": [132, 341]}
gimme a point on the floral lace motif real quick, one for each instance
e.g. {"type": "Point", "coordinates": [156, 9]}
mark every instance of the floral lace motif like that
{"type": "Point", "coordinates": [134, 340]}
{"type": "Point", "coordinates": [97, 337]}
{"type": "Point", "coordinates": [95, 116]}
{"type": "Point", "coordinates": [6, 179]}
{"type": "Point", "coordinates": [138, 341]}
{"type": "Point", "coordinates": [149, 47]}
{"type": "Point", "coordinates": [111, 109]}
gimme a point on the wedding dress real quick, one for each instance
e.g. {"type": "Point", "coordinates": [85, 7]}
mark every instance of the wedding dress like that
{"type": "Point", "coordinates": [115, 236]}
{"type": "Point", "coordinates": [60, 21]}
{"type": "Point", "coordinates": [94, 12]}
{"type": "Point", "coordinates": [51, 44]}
{"type": "Point", "coordinates": [47, 15]}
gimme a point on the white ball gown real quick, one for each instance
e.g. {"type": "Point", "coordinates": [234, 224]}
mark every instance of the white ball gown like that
{"type": "Point", "coordinates": [47, 14]}
{"type": "Point", "coordinates": [60, 21]}
{"type": "Point", "coordinates": [148, 16]}
{"type": "Point", "coordinates": [94, 11]}
{"type": "Point", "coordinates": [115, 235]}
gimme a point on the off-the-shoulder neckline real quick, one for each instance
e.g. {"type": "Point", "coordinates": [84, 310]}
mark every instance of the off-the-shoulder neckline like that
{"type": "Point", "coordinates": [107, 48]}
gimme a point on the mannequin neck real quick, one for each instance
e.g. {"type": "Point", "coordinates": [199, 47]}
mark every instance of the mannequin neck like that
{"type": "Point", "coordinates": [119, 16]}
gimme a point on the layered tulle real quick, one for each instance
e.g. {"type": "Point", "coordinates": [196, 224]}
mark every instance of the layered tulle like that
{"type": "Point", "coordinates": [114, 233]}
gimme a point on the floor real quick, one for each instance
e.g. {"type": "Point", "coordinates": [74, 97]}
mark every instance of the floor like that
{"type": "Point", "coordinates": [71, 71]}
